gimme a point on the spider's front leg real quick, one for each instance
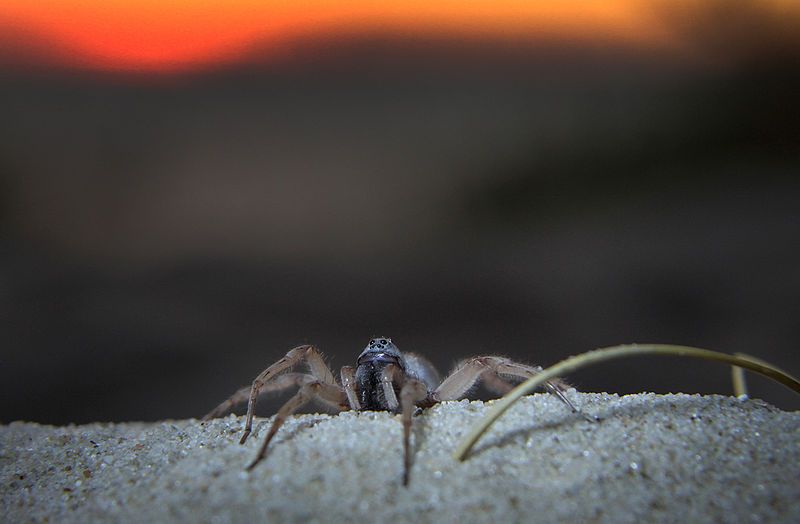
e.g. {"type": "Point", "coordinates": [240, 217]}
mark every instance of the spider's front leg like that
{"type": "Point", "coordinates": [271, 379]}
{"type": "Point", "coordinates": [316, 365]}
{"type": "Point", "coordinates": [412, 392]}
{"type": "Point", "coordinates": [331, 394]}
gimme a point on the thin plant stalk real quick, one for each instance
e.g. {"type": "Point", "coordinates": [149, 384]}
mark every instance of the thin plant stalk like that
{"type": "Point", "coordinates": [738, 379]}
{"type": "Point", "coordinates": [601, 355]}
{"type": "Point", "coordinates": [739, 382]}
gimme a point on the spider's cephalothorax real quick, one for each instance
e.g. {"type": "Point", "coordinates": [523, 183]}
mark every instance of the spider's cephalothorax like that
{"type": "Point", "coordinates": [371, 373]}
{"type": "Point", "coordinates": [384, 379]}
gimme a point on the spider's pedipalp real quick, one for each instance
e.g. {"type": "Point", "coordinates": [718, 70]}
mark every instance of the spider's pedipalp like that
{"type": "Point", "coordinates": [391, 375]}
{"type": "Point", "coordinates": [348, 374]}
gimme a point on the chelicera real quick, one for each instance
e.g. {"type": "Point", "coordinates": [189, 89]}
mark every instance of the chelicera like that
{"type": "Point", "coordinates": [383, 379]}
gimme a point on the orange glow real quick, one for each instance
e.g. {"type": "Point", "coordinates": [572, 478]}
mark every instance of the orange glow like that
{"type": "Point", "coordinates": [178, 34]}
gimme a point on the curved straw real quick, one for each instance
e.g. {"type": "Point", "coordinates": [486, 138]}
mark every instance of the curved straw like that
{"type": "Point", "coordinates": [610, 353]}
{"type": "Point", "coordinates": [737, 373]}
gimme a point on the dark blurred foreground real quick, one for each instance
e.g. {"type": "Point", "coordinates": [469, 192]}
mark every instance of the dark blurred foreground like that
{"type": "Point", "coordinates": [164, 240]}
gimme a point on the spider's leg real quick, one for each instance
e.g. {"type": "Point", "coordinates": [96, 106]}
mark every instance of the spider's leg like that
{"type": "Point", "coordinates": [280, 383]}
{"type": "Point", "coordinates": [556, 387]}
{"type": "Point", "coordinates": [479, 368]}
{"type": "Point", "coordinates": [348, 374]}
{"type": "Point", "coordinates": [495, 384]}
{"type": "Point", "coordinates": [330, 394]}
{"type": "Point", "coordinates": [413, 391]}
{"type": "Point", "coordinates": [462, 379]}
{"type": "Point", "coordinates": [316, 365]}
{"type": "Point", "coordinates": [421, 368]}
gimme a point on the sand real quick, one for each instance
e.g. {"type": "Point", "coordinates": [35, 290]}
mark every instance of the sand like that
{"type": "Point", "coordinates": [651, 458]}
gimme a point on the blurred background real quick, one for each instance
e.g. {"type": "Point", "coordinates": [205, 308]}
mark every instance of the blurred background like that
{"type": "Point", "coordinates": [188, 191]}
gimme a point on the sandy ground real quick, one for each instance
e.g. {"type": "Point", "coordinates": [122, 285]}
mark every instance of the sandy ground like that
{"type": "Point", "coordinates": [663, 458]}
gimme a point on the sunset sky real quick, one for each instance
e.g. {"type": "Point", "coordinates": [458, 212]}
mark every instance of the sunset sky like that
{"type": "Point", "coordinates": [180, 34]}
{"type": "Point", "coordinates": [159, 35]}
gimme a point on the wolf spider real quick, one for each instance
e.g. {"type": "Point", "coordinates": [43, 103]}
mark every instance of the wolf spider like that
{"type": "Point", "coordinates": [384, 379]}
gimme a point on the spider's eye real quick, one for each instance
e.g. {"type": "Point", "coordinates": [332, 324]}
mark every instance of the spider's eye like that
{"type": "Point", "coordinates": [383, 341]}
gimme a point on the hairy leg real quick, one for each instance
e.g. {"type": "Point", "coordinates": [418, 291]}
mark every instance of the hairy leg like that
{"type": "Point", "coordinates": [466, 375]}
{"type": "Point", "coordinates": [330, 394]}
{"type": "Point", "coordinates": [421, 368]}
{"type": "Point", "coordinates": [316, 366]}
{"type": "Point", "coordinates": [494, 383]}
{"type": "Point", "coordinates": [280, 383]}
{"type": "Point", "coordinates": [413, 391]}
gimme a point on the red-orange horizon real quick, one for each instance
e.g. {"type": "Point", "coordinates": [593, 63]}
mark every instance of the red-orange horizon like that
{"type": "Point", "coordinates": [184, 34]}
{"type": "Point", "coordinates": [159, 35]}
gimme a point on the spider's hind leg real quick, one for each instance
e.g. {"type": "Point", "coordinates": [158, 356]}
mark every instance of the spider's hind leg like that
{"type": "Point", "coordinates": [491, 370]}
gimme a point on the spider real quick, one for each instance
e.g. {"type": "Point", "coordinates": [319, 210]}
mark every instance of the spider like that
{"type": "Point", "coordinates": [384, 379]}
